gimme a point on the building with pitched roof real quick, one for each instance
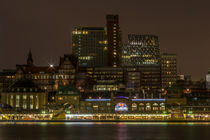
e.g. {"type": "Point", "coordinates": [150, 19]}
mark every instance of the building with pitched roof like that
{"type": "Point", "coordinates": [24, 95]}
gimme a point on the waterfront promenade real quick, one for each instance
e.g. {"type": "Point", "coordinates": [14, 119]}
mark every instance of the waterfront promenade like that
{"type": "Point", "coordinates": [106, 117]}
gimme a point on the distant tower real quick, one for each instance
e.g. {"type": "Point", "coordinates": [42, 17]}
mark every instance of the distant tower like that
{"type": "Point", "coordinates": [30, 61]}
{"type": "Point", "coordinates": [208, 79]}
{"type": "Point", "coordinates": [168, 69]}
{"type": "Point", "coordinates": [114, 40]}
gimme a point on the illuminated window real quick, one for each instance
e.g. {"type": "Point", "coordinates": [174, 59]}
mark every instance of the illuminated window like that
{"type": "Point", "coordinates": [134, 107]}
{"type": "Point", "coordinates": [162, 106]}
{"type": "Point", "coordinates": [24, 102]}
{"type": "Point", "coordinates": [141, 108]}
{"type": "Point", "coordinates": [155, 104]}
{"type": "Point", "coordinates": [37, 102]}
{"type": "Point", "coordinates": [60, 98]}
{"type": "Point", "coordinates": [17, 100]}
{"type": "Point", "coordinates": [148, 107]}
{"type": "Point", "coordinates": [155, 108]}
{"type": "Point", "coordinates": [11, 100]}
{"type": "Point", "coordinates": [95, 107]}
{"type": "Point", "coordinates": [108, 104]}
{"type": "Point", "coordinates": [31, 101]}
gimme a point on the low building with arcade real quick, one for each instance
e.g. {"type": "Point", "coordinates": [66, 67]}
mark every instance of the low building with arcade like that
{"type": "Point", "coordinates": [117, 105]}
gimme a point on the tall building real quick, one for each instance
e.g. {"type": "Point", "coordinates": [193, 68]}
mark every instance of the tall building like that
{"type": "Point", "coordinates": [168, 69]}
{"type": "Point", "coordinates": [89, 44]}
{"type": "Point", "coordinates": [142, 55]}
{"type": "Point", "coordinates": [208, 79]}
{"type": "Point", "coordinates": [114, 40]}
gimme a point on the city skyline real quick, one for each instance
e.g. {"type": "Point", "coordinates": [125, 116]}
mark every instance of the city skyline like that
{"type": "Point", "coordinates": [104, 69]}
{"type": "Point", "coordinates": [46, 29]}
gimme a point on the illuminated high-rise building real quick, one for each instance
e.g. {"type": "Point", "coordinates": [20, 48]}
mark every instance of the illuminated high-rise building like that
{"type": "Point", "coordinates": [114, 40]}
{"type": "Point", "coordinates": [168, 69]}
{"type": "Point", "coordinates": [89, 44]}
{"type": "Point", "coordinates": [142, 53]}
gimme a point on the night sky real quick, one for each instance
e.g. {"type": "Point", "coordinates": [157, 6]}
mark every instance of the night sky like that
{"type": "Point", "coordinates": [45, 26]}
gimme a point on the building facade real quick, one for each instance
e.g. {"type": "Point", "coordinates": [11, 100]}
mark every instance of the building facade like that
{"type": "Point", "coordinates": [141, 49]}
{"type": "Point", "coordinates": [90, 45]}
{"type": "Point", "coordinates": [106, 78]}
{"type": "Point", "coordinates": [68, 96]}
{"type": "Point", "coordinates": [24, 95]}
{"type": "Point", "coordinates": [168, 69]}
{"type": "Point", "coordinates": [132, 79]}
{"type": "Point", "coordinates": [144, 80]}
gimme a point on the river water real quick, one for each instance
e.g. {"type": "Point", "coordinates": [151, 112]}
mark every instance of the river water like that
{"type": "Point", "coordinates": [104, 131]}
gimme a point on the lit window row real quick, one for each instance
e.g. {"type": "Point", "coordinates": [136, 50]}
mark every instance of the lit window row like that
{"type": "Point", "coordinates": [85, 57]}
{"type": "Point", "coordinates": [103, 42]}
{"type": "Point", "coordinates": [80, 32]}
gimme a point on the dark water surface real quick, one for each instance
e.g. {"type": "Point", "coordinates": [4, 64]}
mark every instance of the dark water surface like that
{"type": "Point", "coordinates": [104, 131]}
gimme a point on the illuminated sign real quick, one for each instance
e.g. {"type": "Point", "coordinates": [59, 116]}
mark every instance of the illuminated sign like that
{"type": "Point", "coordinates": [121, 107]}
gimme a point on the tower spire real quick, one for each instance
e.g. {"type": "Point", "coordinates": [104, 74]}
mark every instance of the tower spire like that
{"type": "Point", "coordinates": [30, 59]}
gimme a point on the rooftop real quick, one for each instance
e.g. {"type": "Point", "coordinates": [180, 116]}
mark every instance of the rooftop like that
{"type": "Point", "coordinates": [68, 90]}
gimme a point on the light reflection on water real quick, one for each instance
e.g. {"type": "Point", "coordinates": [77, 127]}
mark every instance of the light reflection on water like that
{"type": "Point", "coordinates": [104, 123]}
{"type": "Point", "coordinates": [103, 130]}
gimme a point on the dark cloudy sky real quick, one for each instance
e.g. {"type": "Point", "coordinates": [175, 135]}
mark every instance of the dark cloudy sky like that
{"type": "Point", "coordinates": [45, 26]}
